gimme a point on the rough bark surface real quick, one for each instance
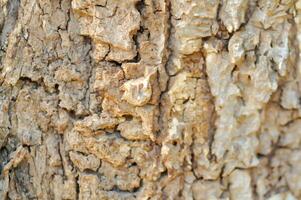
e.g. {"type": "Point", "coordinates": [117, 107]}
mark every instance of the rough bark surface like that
{"type": "Point", "coordinates": [150, 99]}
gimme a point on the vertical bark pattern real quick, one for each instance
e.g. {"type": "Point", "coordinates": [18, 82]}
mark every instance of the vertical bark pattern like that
{"type": "Point", "coordinates": [150, 99]}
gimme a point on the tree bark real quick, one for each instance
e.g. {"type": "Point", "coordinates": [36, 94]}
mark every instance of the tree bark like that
{"type": "Point", "coordinates": [150, 99]}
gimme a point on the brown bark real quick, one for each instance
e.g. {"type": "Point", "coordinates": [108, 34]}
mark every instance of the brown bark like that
{"type": "Point", "coordinates": [150, 99]}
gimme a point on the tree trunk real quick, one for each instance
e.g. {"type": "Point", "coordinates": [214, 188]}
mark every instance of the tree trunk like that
{"type": "Point", "coordinates": [150, 99]}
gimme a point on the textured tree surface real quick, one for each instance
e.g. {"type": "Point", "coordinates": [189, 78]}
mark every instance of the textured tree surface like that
{"type": "Point", "coordinates": [150, 99]}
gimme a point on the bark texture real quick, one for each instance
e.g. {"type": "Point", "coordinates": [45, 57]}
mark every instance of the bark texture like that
{"type": "Point", "coordinates": [150, 99]}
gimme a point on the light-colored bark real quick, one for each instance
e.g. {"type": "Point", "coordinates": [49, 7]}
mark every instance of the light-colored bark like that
{"type": "Point", "coordinates": [150, 99]}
